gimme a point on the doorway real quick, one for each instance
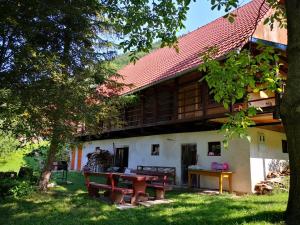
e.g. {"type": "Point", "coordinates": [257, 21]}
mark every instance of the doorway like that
{"type": "Point", "coordinates": [121, 159]}
{"type": "Point", "coordinates": [188, 157]}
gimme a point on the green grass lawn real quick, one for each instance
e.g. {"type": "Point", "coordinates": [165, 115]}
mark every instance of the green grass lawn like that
{"type": "Point", "coordinates": [69, 204]}
{"type": "Point", "coordinates": [13, 162]}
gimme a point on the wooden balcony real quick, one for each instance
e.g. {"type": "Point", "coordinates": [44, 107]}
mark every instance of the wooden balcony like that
{"type": "Point", "coordinates": [184, 100]}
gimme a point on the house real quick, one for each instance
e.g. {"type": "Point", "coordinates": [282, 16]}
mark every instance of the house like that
{"type": "Point", "coordinates": [175, 123]}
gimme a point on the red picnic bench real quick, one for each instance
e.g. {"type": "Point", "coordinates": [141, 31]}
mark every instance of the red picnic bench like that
{"type": "Point", "coordinates": [115, 193]}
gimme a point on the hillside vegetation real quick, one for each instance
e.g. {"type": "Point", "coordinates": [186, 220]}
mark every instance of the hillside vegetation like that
{"type": "Point", "coordinates": [124, 59]}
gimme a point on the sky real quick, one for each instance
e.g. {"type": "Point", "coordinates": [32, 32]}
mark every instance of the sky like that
{"type": "Point", "coordinates": [200, 13]}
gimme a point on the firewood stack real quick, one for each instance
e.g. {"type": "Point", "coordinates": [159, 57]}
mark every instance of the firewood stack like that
{"type": "Point", "coordinates": [274, 180]}
{"type": "Point", "coordinates": [263, 188]}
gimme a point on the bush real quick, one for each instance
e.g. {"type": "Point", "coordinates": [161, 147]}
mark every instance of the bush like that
{"type": "Point", "coordinates": [282, 186]}
{"type": "Point", "coordinates": [6, 185]}
{"type": "Point", "coordinates": [14, 187]}
{"type": "Point", "coordinates": [21, 189]}
{"type": "Point", "coordinates": [36, 157]}
{"type": "Point", "coordinates": [8, 144]}
{"type": "Point", "coordinates": [17, 186]}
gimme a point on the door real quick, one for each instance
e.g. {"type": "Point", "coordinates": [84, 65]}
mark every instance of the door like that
{"type": "Point", "coordinates": [79, 157]}
{"type": "Point", "coordinates": [188, 157]}
{"type": "Point", "coordinates": [122, 157]}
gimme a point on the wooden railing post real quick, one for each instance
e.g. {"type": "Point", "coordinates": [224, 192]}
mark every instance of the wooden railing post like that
{"type": "Point", "coordinates": [175, 100]}
{"type": "Point", "coordinates": [203, 97]}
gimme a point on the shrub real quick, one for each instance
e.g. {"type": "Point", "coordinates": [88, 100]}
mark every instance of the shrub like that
{"type": "Point", "coordinates": [36, 157]}
{"type": "Point", "coordinates": [17, 186]}
{"type": "Point", "coordinates": [21, 189]}
{"type": "Point", "coordinates": [14, 187]}
{"type": "Point", "coordinates": [282, 186]}
{"type": "Point", "coordinates": [8, 144]}
{"type": "Point", "coordinates": [6, 185]}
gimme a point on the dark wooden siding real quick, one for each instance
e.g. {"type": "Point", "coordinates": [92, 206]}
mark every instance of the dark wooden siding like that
{"type": "Point", "coordinates": [181, 99]}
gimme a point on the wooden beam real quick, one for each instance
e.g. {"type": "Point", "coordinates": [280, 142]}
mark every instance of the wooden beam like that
{"type": "Point", "coordinates": [175, 100]}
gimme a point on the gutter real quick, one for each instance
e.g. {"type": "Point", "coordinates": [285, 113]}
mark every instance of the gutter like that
{"type": "Point", "coordinates": [276, 45]}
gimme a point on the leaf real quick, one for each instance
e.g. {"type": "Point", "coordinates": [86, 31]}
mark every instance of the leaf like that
{"type": "Point", "coordinates": [256, 90]}
{"type": "Point", "coordinates": [240, 94]}
{"type": "Point", "coordinates": [248, 138]}
{"type": "Point", "coordinates": [225, 104]}
{"type": "Point", "coordinates": [251, 111]}
{"type": "Point", "coordinates": [225, 144]}
{"type": "Point", "coordinates": [231, 19]}
{"type": "Point", "coordinates": [267, 20]}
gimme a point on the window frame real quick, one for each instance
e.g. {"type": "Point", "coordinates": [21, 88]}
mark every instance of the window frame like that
{"type": "Point", "coordinates": [153, 151]}
{"type": "Point", "coordinates": [212, 145]}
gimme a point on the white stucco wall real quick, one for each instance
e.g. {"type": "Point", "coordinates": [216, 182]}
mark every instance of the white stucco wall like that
{"type": "Point", "coordinates": [264, 157]}
{"type": "Point", "coordinates": [237, 155]}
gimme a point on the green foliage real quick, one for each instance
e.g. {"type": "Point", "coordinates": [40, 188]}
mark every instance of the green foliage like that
{"type": "Point", "coordinates": [36, 154]}
{"type": "Point", "coordinates": [124, 59]}
{"type": "Point", "coordinates": [21, 189]}
{"type": "Point", "coordinates": [279, 12]}
{"type": "Point", "coordinates": [57, 76]}
{"type": "Point", "coordinates": [6, 185]}
{"type": "Point", "coordinates": [12, 162]}
{"type": "Point", "coordinates": [25, 156]}
{"type": "Point", "coordinates": [8, 144]}
{"type": "Point", "coordinates": [16, 187]}
{"type": "Point", "coordinates": [283, 186]}
{"type": "Point", "coordinates": [232, 80]}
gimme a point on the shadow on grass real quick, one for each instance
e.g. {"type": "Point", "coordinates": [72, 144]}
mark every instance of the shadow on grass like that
{"type": "Point", "coordinates": [69, 204]}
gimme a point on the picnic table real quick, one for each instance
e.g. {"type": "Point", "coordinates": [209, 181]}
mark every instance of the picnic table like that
{"type": "Point", "coordinates": [139, 185]}
{"type": "Point", "coordinates": [214, 173]}
{"type": "Point", "coordinates": [116, 193]}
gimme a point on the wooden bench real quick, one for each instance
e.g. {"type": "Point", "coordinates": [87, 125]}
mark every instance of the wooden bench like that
{"type": "Point", "coordinates": [116, 194]}
{"type": "Point", "coordinates": [170, 172]}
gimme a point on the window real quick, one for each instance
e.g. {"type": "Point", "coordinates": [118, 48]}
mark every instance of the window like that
{"type": "Point", "coordinates": [214, 148]}
{"type": "Point", "coordinates": [189, 101]}
{"type": "Point", "coordinates": [284, 146]}
{"type": "Point", "coordinates": [155, 149]}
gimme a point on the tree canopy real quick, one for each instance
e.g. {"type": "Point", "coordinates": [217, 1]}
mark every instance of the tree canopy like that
{"type": "Point", "coordinates": [55, 70]}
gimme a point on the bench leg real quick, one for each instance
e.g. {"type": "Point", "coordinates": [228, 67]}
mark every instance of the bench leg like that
{"type": "Point", "coordinates": [159, 194]}
{"type": "Point", "coordinates": [93, 192]}
{"type": "Point", "coordinates": [117, 197]}
{"type": "Point", "coordinates": [139, 197]}
{"type": "Point", "coordinates": [107, 193]}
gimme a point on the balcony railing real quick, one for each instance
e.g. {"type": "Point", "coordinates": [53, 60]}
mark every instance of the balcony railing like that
{"type": "Point", "coordinates": [194, 108]}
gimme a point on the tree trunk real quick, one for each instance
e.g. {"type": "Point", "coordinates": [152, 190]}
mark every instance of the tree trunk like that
{"type": "Point", "coordinates": [290, 110]}
{"type": "Point", "coordinates": [45, 176]}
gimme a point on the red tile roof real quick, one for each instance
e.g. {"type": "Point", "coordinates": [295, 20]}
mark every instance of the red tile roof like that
{"type": "Point", "coordinates": [165, 63]}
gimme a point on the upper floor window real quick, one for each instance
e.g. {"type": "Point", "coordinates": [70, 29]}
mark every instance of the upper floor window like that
{"type": "Point", "coordinates": [189, 101]}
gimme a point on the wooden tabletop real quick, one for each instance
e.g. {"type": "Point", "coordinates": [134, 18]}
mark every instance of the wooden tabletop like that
{"type": "Point", "coordinates": [131, 176]}
{"type": "Point", "coordinates": [210, 171]}
{"type": "Point", "coordinates": [138, 177]}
